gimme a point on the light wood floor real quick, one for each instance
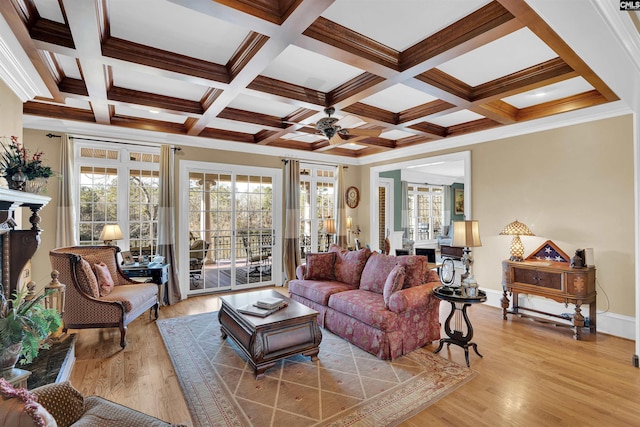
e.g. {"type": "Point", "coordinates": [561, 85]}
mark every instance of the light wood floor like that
{"type": "Point", "coordinates": [532, 374]}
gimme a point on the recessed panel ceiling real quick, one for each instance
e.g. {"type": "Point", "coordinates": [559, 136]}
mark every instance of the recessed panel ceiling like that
{"type": "Point", "coordinates": [123, 110]}
{"type": "Point", "coordinates": [402, 23]}
{"type": "Point", "coordinates": [456, 118]}
{"type": "Point", "coordinates": [309, 69]}
{"type": "Point", "coordinates": [398, 98]}
{"type": "Point", "coordinates": [156, 84]}
{"type": "Point", "coordinates": [514, 52]}
{"type": "Point", "coordinates": [548, 93]}
{"type": "Point", "coordinates": [396, 134]}
{"type": "Point", "coordinates": [49, 9]}
{"type": "Point", "coordinates": [234, 126]}
{"type": "Point", "coordinates": [304, 137]}
{"type": "Point", "coordinates": [262, 105]}
{"type": "Point", "coordinates": [69, 66]}
{"type": "Point", "coordinates": [353, 146]}
{"type": "Point", "coordinates": [78, 103]}
{"type": "Point", "coordinates": [170, 27]}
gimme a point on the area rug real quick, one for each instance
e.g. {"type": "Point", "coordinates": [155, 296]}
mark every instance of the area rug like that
{"type": "Point", "coordinates": [346, 386]}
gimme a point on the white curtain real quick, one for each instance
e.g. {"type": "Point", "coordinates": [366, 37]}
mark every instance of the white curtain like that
{"type": "Point", "coordinates": [166, 224]}
{"type": "Point", "coordinates": [292, 218]}
{"type": "Point", "coordinates": [341, 213]}
{"type": "Point", "coordinates": [66, 222]}
{"type": "Point", "coordinates": [404, 189]}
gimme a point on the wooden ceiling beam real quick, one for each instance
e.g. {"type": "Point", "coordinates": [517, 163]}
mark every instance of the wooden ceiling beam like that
{"type": "Point", "coordinates": [447, 83]}
{"type": "Point", "coordinates": [473, 126]}
{"type": "Point", "coordinates": [525, 14]}
{"type": "Point", "coordinates": [42, 109]}
{"type": "Point", "coordinates": [247, 50]}
{"type": "Point", "coordinates": [498, 111]}
{"type": "Point", "coordinates": [416, 114]}
{"type": "Point", "coordinates": [353, 86]}
{"type": "Point", "coordinates": [570, 103]}
{"type": "Point", "coordinates": [286, 90]}
{"type": "Point", "coordinates": [151, 100]}
{"type": "Point", "coordinates": [264, 120]}
{"type": "Point", "coordinates": [275, 11]}
{"type": "Point", "coordinates": [146, 124]}
{"type": "Point", "coordinates": [228, 135]}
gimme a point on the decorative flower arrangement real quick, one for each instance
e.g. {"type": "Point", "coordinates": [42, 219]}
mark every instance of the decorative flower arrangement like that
{"type": "Point", "coordinates": [16, 159]}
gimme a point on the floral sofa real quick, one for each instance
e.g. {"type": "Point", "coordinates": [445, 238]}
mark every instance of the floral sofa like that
{"type": "Point", "coordinates": [381, 303]}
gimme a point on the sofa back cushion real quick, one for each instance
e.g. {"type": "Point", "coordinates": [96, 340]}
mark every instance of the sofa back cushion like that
{"type": "Point", "coordinates": [415, 269]}
{"type": "Point", "coordinates": [394, 282]}
{"type": "Point", "coordinates": [376, 271]}
{"type": "Point", "coordinates": [349, 264]}
{"type": "Point", "coordinates": [87, 279]}
{"type": "Point", "coordinates": [320, 266]}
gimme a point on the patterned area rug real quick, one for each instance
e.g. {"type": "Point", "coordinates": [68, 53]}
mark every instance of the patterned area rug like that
{"type": "Point", "coordinates": [344, 387]}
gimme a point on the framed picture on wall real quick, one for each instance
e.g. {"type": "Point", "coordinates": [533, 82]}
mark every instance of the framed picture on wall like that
{"type": "Point", "coordinates": [458, 201]}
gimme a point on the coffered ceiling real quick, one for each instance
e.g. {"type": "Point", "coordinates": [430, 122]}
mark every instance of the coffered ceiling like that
{"type": "Point", "coordinates": [261, 72]}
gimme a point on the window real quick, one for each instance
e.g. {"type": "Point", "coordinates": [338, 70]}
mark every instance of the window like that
{"type": "Point", "coordinates": [105, 199]}
{"type": "Point", "coordinates": [317, 205]}
{"type": "Point", "coordinates": [425, 211]}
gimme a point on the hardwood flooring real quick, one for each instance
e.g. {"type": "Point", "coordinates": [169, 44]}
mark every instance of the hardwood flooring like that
{"type": "Point", "coordinates": [532, 374]}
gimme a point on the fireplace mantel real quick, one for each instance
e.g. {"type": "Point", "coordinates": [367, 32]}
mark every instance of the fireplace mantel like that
{"type": "Point", "coordinates": [18, 245]}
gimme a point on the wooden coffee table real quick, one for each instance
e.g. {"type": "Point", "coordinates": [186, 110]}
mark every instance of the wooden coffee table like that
{"type": "Point", "coordinates": [264, 340]}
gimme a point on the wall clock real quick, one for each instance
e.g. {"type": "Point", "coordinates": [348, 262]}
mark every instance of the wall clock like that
{"type": "Point", "coordinates": [352, 197]}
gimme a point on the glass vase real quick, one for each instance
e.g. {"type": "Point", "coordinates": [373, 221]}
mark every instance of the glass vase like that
{"type": "Point", "coordinates": [36, 185]}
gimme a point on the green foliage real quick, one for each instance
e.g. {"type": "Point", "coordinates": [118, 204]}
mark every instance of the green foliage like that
{"type": "Point", "coordinates": [27, 322]}
{"type": "Point", "coordinates": [16, 159]}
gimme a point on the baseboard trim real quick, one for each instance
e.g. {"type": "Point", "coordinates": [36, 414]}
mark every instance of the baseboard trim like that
{"type": "Point", "coordinates": [608, 323]}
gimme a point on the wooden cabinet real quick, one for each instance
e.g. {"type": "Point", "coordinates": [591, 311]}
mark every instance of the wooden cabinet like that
{"type": "Point", "coordinates": [554, 280]}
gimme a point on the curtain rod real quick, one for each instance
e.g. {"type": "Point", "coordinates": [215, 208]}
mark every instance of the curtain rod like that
{"type": "Point", "coordinates": [315, 163]}
{"type": "Point", "coordinates": [151, 144]}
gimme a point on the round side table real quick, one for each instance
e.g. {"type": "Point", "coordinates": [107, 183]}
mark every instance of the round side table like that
{"type": "Point", "coordinates": [462, 332]}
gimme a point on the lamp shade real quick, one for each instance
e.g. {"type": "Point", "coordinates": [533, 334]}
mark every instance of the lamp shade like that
{"type": "Point", "coordinates": [111, 232]}
{"type": "Point", "coordinates": [330, 226]}
{"type": "Point", "coordinates": [516, 228]}
{"type": "Point", "coordinates": [349, 222]}
{"type": "Point", "coordinates": [466, 234]}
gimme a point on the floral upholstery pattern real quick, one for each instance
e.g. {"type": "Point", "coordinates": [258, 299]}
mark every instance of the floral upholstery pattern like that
{"type": "Point", "coordinates": [365, 306]}
{"type": "Point", "coordinates": [349, 264]}
{"type": "Point", "coordinates": [394, 282]}
{"type": "Point", "coordinates": [414, 267]}
{"type": "Point", "coordinates": [318, 291]}
{"type": "Point", "coordinates": [432, 276]}
{"type": "Point", "coordinates": [320, 266]}
{"type": "Point", "coordinates": [376, 271]}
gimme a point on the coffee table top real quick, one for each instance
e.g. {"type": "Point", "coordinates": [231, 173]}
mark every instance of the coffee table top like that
{"type": "Point", "coordinates": [293, 310]}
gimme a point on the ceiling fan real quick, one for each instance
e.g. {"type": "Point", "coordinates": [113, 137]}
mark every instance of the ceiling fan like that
{"type": "Point", "coordinates": [332, 128]}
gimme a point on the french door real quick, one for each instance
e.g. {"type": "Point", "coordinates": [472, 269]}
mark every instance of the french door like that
{"type": "Point", "coordinates": [232, 227]}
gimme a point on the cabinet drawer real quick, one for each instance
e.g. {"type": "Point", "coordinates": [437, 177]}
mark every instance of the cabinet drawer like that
{"type": "Point", "coordinates": [538, 278]}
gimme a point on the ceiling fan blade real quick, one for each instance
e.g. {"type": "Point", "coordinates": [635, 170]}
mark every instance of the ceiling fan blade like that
{"type": "Point", "coordinates": [350, 121]}
{"type": "Point", "coordinates": [364, 132]}
{"type": "Point", "coordinates": [336, 140]}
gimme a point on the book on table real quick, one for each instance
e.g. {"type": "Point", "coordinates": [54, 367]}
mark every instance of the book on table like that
{"type": "Point", "coordinates": [269, 302]}
{"type": "Point", "coordinates": [254, 310]}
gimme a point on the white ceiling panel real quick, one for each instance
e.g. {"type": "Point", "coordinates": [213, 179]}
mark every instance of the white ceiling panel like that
{"type": "Point", "coordinates": [262, 105]}
{"type": "Point", "coordinates": [353, 146]}
{"type": "Point", "coordinates": [170, 27]}
{"type": "Point", "coordinates": [398, 98]}
{"type": "Point", "coordinates": [402, 23]}
{"type": "Point", "coordinates": [303, 137]}
{"type": "Point", "coordinates": [456, 118]}
{"type": "Point", "coordinates": [156, 84]}
{"type": "Point", "coordinates": [549, 93]}
{"type": "Point", "coordinates": [49, 9]}
{"type": "Point", "coordinates": [396, 134]}
{"type": "Point", "coordinates": [78, 103]}
{"type": "Point", "coordinates": [123, 110]}
{"type": "Point", "coordinates": [309, 69]}
{"type": "Point", "coordinates": [69, 66]}
{"type": "Point", "coordinates": [234, 126]}
{"type": "Point", "coordinates": [514, 52]}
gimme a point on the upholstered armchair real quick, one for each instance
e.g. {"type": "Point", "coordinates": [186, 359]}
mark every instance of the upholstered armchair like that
{"type": "Point", "coordinates": [98, 294]}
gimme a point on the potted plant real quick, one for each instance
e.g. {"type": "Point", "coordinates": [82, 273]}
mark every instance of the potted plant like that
{"type": "Point", "coordinates": [25, 326]}
{"type": "Point", "coordinates": [19, 168]}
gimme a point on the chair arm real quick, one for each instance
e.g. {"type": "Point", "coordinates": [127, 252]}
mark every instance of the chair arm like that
{"type": "Point", "coordinates": [300, 270]}
{"type": "Point", "coordinates": [62, 401]}
{"type": "Point", "coordinates": [411, 298]}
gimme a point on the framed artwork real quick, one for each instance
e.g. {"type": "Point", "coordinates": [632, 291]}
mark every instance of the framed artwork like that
{"type": "Point", "coordinates": [458, 201]}
{"type": "Point", "coordinates": [127, 258]}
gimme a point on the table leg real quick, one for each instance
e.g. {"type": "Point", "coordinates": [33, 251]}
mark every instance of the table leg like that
{"type": "Point", "coordinates": [456, 335]}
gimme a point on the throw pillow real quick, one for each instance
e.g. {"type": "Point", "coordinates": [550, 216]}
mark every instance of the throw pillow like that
{"type": "Point", "coordinates": [87, 279]}
{"type": "Point", "coordinates": [320, 266]}
{"type": "Point", "coordinates": [415, 267]}
{"type": "Point", "coordinates": [105, 281]}
{"type": "Point", "coordinates": [349, 264]}
{"type": "Point", "coordinates": [20, 408]}
{"type": "Point", "coordinates": [432, 276]}
{"type": "Point", "coordinates": [376, 271]}
{"type": "Point", "coordinates": [64, 402]}
{"type": "Point", "coordinates": [394, 282]}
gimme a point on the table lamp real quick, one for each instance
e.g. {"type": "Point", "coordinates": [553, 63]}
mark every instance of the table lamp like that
{"type": "Point", "coordinates": [516, 229]}
{"type": "Point", "coordinates": [329, 229]}
{"type": "Point", "coordinates": [466, 234]}
{"type": "Point", "coordinates": [110, 232]}
{"type": "Point", "coordinates": [349, 225]}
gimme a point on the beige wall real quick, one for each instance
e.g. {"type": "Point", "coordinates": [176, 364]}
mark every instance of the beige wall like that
{"type": "Point", "coordinates": [572, 185]}
{"type": "Point", "coordinates": [11, 108]}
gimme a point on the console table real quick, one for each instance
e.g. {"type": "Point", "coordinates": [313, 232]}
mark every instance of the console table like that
{"type": "Point", "coordinates": [553, 280]}
{"type": "Point", "coordinates": [159, 274]}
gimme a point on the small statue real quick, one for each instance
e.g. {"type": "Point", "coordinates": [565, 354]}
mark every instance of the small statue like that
{"type": "Point", "coordinates": [577, 261]}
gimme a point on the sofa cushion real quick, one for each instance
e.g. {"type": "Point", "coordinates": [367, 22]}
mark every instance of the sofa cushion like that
{"type": "Point", "coordinates": [318, 291]}
{"type": "Point", "coordinates": [132, 296]}
{"type": "Point", "coordinates": [376, 271]}
{"type": "Point", "coordinates": [107, 257]}
{"type": "Point", "coordinates": [394, 282]}
{"type": "Point", "coordinates": [367, 307]}
{"type": "Point", "coordinates": [87, 278]}
{"type": "Point", "coordinates": [102, 412]}
{"type": "Point", "coordinates": [349, 264]}
{"type": "Point", "coordinates": [431, 276]}
{"type": "Point", "coordinates": [320, 266]}
{"type": "Point", "coordinates": [105, 282]}
{"type": "Point", "coordinates": [414, 269]}
{"type": "Point", "coordinates": [63, 401]}
{"type": "Point", "coordinates": [19, 408]}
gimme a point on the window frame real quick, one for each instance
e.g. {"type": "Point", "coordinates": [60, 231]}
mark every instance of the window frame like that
{"type": "Point", "coordinates": [317, 223]}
